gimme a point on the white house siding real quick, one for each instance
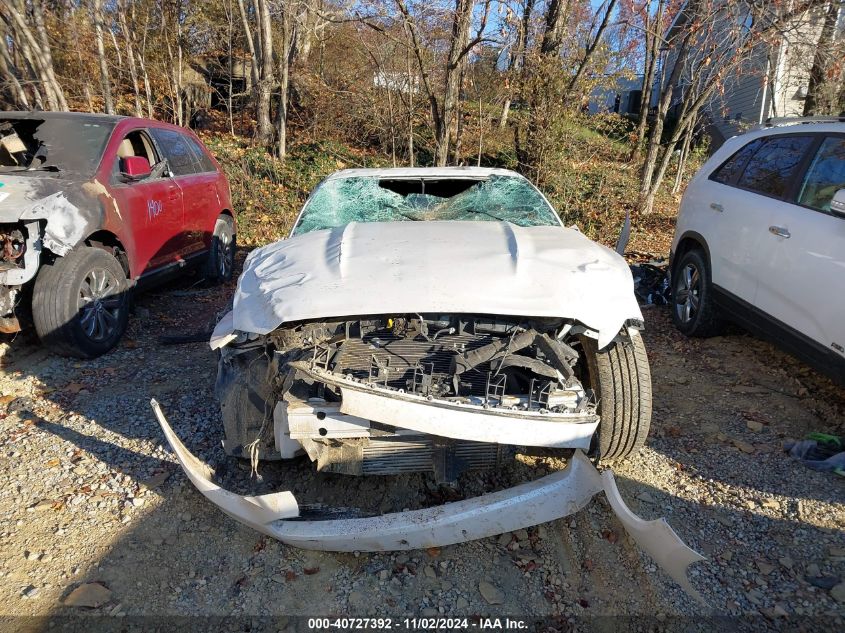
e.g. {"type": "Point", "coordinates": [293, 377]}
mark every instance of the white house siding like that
{"type": "Point", "coordinates": [739, 103]}
{"type": "Point", "coordinates": [795, 62]}
{"type": "Point", "coordinates": [748, 96]}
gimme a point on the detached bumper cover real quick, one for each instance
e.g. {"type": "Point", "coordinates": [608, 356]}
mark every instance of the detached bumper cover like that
{"type": "Point", "coordinates": [552, 497]}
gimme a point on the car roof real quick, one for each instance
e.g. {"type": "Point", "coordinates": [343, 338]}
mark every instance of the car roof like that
{"type": "Point", "coordinates": [799, 126]}
{"type": "Point", "coordinates": [85, 117]}
{"type": "Point", "coordinates": [90, 117]}
{"type": "Point", "coordinates": [423, 172]}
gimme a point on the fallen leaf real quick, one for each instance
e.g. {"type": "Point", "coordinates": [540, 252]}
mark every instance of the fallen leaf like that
{"type": "Point", "coordinates": [91, 594]}
{"type": "Point", "coordinates": [310, 571]}
{"type": "Point", "coordinates": [155, 481]}
{"type": "Point", "coordinates": [610, 536]}
{"type": "Point", "coordinates": [290, 576]}
{"type": "Point", "coordinates": [434, 552]}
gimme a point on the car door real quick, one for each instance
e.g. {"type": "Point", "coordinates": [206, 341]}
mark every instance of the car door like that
{"type": "Point", "coordinates": [205, 201]}
{"type": "Point", "coordinates": [806, 255]}
{"type": "Point", "coordinates": [187, 172]}
{"type": "Point", "coordinates": [151, 206]}
{"type": "Point", "coordinates": [747, 192]}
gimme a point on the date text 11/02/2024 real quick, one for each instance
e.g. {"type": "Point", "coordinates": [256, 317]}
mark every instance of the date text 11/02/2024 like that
{"type": "Point", "coordinates": [416, 624]}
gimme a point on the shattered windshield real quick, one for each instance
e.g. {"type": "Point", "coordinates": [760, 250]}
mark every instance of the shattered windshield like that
{"type": "Point", "coordinates": [340, 201]}
{"type": "Point", "coordinates": [52, 144]}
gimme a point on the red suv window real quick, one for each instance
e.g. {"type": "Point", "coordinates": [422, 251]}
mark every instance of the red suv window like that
{"type": "Point", "coordinates": [179, 153]}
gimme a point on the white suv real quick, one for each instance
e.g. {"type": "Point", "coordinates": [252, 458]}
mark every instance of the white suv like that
{"type": "Point", "coordinates": [760, 241]}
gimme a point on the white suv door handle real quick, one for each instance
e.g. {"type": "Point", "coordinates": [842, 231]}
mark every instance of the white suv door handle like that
{"type": "Point", "coordinates": [779, 231]}
{"type": "Point", "coordinates": [717, 207]}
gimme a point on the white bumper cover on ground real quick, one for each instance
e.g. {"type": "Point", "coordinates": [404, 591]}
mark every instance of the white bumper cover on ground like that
{"type": "Point", "coordinates": [546, 499]}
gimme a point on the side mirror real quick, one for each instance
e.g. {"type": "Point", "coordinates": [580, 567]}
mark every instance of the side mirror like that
{"type": "Point", "coordinates": [837, 205]}
{"type": "Point", "coordinates": [134, 168]}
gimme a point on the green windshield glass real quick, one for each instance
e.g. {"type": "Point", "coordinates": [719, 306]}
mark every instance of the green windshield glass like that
{"type": "Point", "coordinates": [367, 199]}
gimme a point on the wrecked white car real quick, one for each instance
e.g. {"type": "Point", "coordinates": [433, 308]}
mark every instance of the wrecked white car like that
{"type": "Point", "coordinates": [431, 320]}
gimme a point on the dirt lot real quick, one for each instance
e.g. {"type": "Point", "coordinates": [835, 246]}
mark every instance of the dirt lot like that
{"type": "Point", "coordinates": [90, 494]}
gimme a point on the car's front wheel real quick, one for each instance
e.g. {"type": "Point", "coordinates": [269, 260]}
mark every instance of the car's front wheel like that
{"type": "Point", "coordinates": [693, 310]}
{"type": "Point", "coordinates": [620, 376]}
{"type": "Point", "coordinates": [80, 303]}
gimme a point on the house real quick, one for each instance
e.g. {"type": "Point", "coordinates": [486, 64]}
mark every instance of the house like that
{"type": "Point", "coordinates": [772, 81]}
{"type": "Point", "coordinates": [623, 97]}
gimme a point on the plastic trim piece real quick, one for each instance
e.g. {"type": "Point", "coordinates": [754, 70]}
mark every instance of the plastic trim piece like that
{"type": "Point", "coordinates": [546, 499]}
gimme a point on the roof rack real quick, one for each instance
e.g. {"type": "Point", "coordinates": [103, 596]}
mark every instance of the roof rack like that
{"type": "Point", "coordinates": [790, 120]}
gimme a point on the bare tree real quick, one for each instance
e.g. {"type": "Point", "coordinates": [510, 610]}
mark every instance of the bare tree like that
{"type": "Point", "coordinates": [105, 80]}
{"type": "Point", "coordinates": [652, 37]}
{"type": "Point", "coordinates": [37, 56]}
{"type": "Point", "coordinates": [129, 38]}
{"type": "Point", "coordinates": [517, 60]}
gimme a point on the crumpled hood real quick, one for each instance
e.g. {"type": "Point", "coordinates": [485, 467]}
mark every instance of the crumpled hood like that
{"type": "Point", "coordinates": [434, 267]}
{"type": "Point", "coordinates": [19, 194]}
{"type": "Point", "coordinates": [69, 205]}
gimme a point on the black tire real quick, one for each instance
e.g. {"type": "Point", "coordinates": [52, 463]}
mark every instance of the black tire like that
{"type": "Point", "coordinates": [80, 303]}
{"type": "Point", "coordinates": [620, 376]}
{"type": "Point", "coordinates": [221, 258]}
{"type": "Point", "coordinates": [246, 404]}
{"type": "Point", "coordinates": [693, 311]}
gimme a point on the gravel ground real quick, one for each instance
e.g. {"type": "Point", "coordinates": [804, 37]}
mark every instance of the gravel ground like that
{"type": "Point", "coordinates": [91, 495]}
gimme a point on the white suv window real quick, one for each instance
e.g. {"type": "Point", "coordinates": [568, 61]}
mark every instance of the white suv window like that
{"type": "Point", "coordinates": [825, 176]}
{"type": "Point", "coordinates": [771, 168]}
{"type": "Point", "coordinates": [731, 168]}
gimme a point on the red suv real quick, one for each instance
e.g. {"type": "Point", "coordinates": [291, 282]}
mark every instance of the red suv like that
{"type": "Point", "coordinates": [93, 207]}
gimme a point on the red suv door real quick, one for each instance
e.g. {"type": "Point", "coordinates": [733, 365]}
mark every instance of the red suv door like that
{"type": "Point", "coordinates": [198, 189]}
{"type": "Point", "coordinates": [151, 207]}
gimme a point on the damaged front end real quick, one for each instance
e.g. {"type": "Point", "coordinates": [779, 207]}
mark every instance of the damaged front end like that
{"type": "Point", "coordinates": [408, 393]}
{"type": "Point", "coordinates": [20, 253]}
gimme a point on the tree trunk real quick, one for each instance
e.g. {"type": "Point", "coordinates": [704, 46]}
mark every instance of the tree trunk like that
{"type": "Point", "coordinates": [555, 27]}
{"type": "Point", "coordinates": [821, 58]}
{"type": "Point", "coordinates": [452, 90]}
{"type": "Point", "coordinates": [266, 83]}
{"type": "Point", "coordinates": [36, 56]}
{"type": "Point", "coordinates": [652, 53]}
{"type": "Point", "coordinates": [142, 64]}
{"type": "Point", "coordinates": [130, 56]}
{"type": "Point", "coordinates": [517, 60]}
{"type": "Point", "coordinates": [682, 160]}
{"type": "Point", "coordinates": [656, 134]}
{"type": "Point", "coordinates": [10, 76]}
{"type": "Point", "coordinates": [230, 15]}
{"type": "Point", "coordinates": [38, 14]}
{"type": "Point", "coordinates": [285, 61]}
{"type": "Point", "coordinates": [105, 81]}
{"type": "Point", "coordinates": [412, 86]}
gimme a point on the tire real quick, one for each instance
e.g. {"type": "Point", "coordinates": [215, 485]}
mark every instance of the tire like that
{"type": "Point", "coordinates": [221, 257]}
{"type": "Point", "coordinates": [693, 311]}
{"type": "Point", "coordinates": [80, 303]}
{"type": "Point", "coordinates": [246, 405]}
{"type": "Point", "coordinates": [620, 376]}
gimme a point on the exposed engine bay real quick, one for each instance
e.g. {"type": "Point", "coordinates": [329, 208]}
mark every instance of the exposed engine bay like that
{"type": "Point", "coordinates": [408, 393]}
{"type": "Point", "coordinates": [12, 246]}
